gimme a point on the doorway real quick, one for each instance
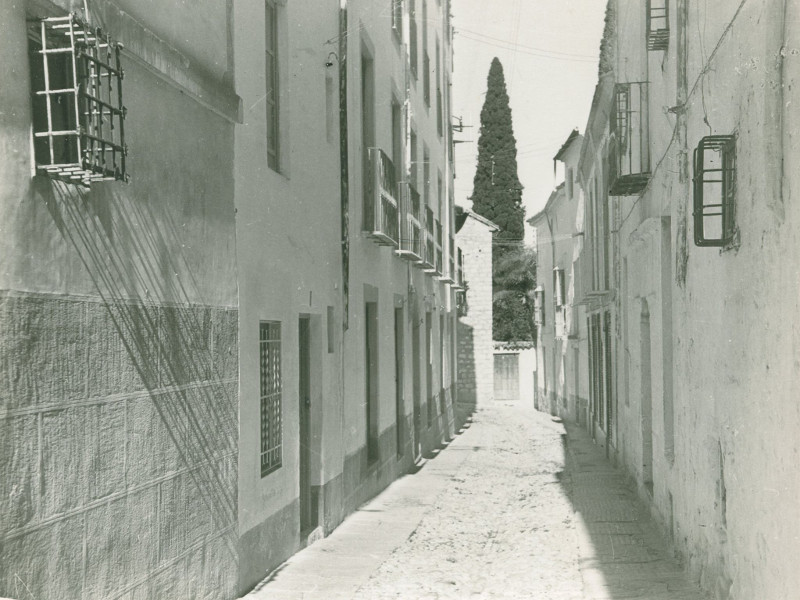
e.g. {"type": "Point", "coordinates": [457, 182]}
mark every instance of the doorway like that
{"type": "Point", "coordinates": [416, 383]}
{"type": "Point", "coordinates": [647, 399]}
{"type": "Point", "coordinates": [308, 509]}
{"type": "Point", "coordinates": [399, 371]}
{"type": "Point", "coordinates": [506, 377]}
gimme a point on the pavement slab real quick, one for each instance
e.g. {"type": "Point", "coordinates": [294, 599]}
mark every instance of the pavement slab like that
{"type": "Point", "coordinates": [518, 506]}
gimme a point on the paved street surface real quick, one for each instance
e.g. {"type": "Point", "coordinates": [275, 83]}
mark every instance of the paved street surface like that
{"type": "Point", "coordinates": [515, 507]}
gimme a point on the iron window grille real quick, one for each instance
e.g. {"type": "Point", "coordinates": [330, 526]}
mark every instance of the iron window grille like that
{"type": "Point", "coordinates": [78, 114]}
{"type": "Point", "coordinates": [381, 202]}
{"type": "Point", "coordinates": [271, 396]}
{"type": "Point", "coordinates": [272, 85]}
{"type": "Point", "coordinates": [439, 250]}
{"type": "Point", "coordinates": [559, 287]}
{"type": "Point", "coordinates": [451, 276]}
{"type": "Point", "coordinates": [538, 306]}
{"type": "Point", "coordinates": [630, 147]}
{"type": "Point", "coordinates": [462, 307]}
{"type": "Point", "coordinates": [429, 260]}
{"type": "Point", "coordinates": [714, 190]}
{"type": "Point", "coordinates": [412, 231]}
{"type": "Point", "coordinates": [397, 17]}
{"type": "Point", "coordinates": [426, 78]}
{"type": "Point", "coordinates": [413, 43]}
{"type": "Point", "coordinates": [657, 24]}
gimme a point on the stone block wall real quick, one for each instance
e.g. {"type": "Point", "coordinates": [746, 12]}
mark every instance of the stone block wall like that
{"type": "Point", "coordinates": [475, 350]}
{"type": "Point", "coordinates": [118, 437]}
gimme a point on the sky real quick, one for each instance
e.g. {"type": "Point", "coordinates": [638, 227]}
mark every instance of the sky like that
{"type": "Point", "coordinates": [549, 51]}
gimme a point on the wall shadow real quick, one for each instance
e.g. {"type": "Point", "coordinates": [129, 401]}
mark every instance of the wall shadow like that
{"type": "Point", "coordinates": [624, 554]}
{"type": "Point", "coordinates": [184, 354]}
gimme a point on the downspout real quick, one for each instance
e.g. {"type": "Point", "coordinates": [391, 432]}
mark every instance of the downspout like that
{"type": "Point", "coordinates": [344, 165]}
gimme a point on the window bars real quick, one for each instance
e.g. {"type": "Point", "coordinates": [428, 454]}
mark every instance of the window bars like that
{"type": "Point", "coordinates": [714, 190]}
{"type": "Point", "coordinates": [657, 24]}
{"type": "Point", "coordinates": [397, 17]}
{"type": "Point", "coordinates": [78, 115]}
{"type": "Point", "coordinates": [538, 305]}
{"type": "Point", "coordinates": [429, 260]}
{"type": "Point", "coordinates": [411, 235]}
{"type": "Point", "coordinates": [381, 203]}
{"type": "Point", "coordinates": [630, 150]}
{"type": "Point", "coordinates": [271, 395]}
{"type": "Point", "coordinates": [559, 288]}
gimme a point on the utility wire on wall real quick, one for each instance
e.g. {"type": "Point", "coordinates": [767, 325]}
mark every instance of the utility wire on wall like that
{"type": "Point", "coordinates": [700, 77]}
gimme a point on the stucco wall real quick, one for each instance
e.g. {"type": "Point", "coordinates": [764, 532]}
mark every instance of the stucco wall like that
{"type": "Point", "coordinates": [725, 322]}
{"type": "Point", "coordinates": [118, 324]}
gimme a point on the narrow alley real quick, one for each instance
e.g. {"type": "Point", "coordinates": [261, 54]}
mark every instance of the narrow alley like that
{"type": "Point", "coordinates": [516, 506]}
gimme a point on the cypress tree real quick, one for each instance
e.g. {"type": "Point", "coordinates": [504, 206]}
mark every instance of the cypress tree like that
{"type": "Point", "coordinates": [497, 195]}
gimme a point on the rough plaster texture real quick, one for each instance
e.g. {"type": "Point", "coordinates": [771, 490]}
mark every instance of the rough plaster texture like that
{"type": "Point", "coordinates": [118, 383]}
{"type": "Point", "coordinates": [289, 261]}
{"type": "Point", "coordinates": [475, 350]}
{"type": "Point", "coordinates": [722, 323]}
{"type": "Point", "coordinates": [129, 313]}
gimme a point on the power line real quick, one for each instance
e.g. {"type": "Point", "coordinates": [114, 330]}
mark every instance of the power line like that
{"type": "Point", "coordinates": [470, 33]}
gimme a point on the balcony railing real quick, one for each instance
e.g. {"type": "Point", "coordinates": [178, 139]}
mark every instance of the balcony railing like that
{"type": "Point", "coordinates": [411, 230]}
{"type": "Point", "coordinates": [449, 276]}
{"type": "Point", "coordinates": [381, 201]}
{"type": "Point", "coordinates": [657, 24]}
{"type": "Point", "coordinates": [630, 147]}
{"type": "Point", "coordinates": [426, 78]}
{"type": "Point", "coordinates": [413, 48]}
{"type": "Point", "coordinates": [438, 248]}
{"type": "Point", "coordinates": [460, 280]}
{"type": "Point", "coordinates": [429, 258]}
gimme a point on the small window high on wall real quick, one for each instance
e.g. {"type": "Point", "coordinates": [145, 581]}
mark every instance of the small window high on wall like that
{"type": "Point", "coordinates": [657, 24]}
{"type": "Point", "coordinates": [715, 190]}
{"type": "Point", "coordinates": [78, 115]}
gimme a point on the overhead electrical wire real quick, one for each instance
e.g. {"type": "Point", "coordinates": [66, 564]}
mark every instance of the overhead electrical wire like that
{"type": "Point", "coordinates": [461, 30]}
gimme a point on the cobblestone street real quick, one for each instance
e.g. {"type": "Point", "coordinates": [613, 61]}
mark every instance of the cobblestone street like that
{"type": "Point", "coordinates": [515, 507]}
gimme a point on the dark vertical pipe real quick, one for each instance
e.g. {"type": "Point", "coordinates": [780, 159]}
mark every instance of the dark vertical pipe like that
{"type": "Point", "coordinates": [344, 165]}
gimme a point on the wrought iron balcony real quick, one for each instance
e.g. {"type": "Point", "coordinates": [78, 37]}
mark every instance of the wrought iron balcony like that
{"type": "Point", "coordinates": [438, 247]}
{"type": "Point", "coordinates": [629, 152]}
{"type": "Point", "coordinates": [657, 24]}
{"type": "Point", "coordinates": [381, 201]}
{"type": "Point", "coordinates": [429, 256]}
{"type": "Point", "coordinates": [460, 283]}
{"type": "Point", "coordinates": [412, 246]}
{"type": "Point", "coordinates": [449, 276]}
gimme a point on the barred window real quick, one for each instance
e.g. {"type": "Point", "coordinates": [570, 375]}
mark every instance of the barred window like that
{"type": "Point", "coordinates": [559, 288]}
{"type": "Point", "coordinates": [77, 111]}
{"type": "Point", "coordinates": [397, 17]}
{"type": "Point", "coordinates": [715, 190]}
{"type": "Point", "coordinates": [271, 395]}
{"type": "Point", "coordinates": [273, 91]}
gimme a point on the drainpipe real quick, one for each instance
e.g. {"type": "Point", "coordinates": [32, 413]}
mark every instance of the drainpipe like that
{"type": "Point", "coordinates": [344, 165]}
